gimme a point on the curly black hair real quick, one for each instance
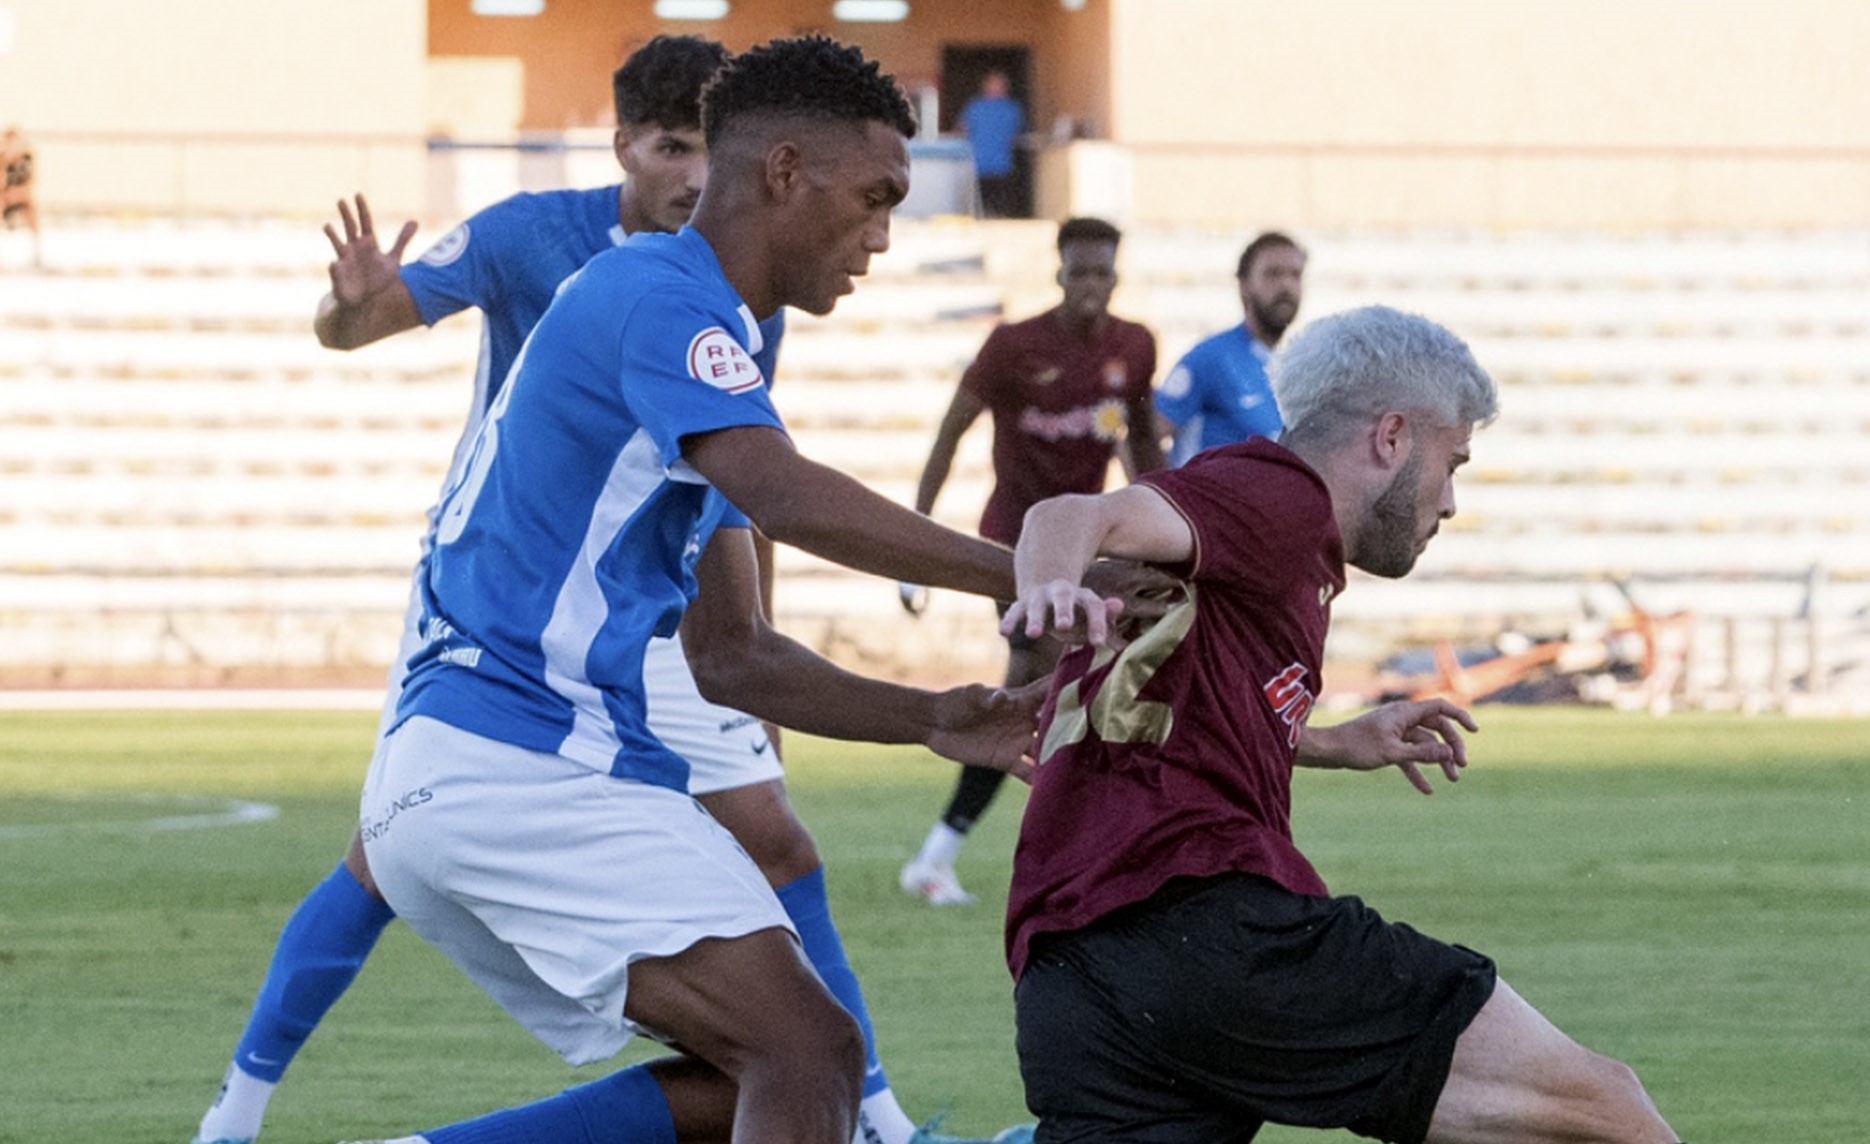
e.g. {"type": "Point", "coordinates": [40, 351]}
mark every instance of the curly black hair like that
{"type": "Point", "coordinates": [1087, 230]}
{"type": "Point", "coordinates": [809, 75]}
{"type": "Point", "coordinates": [661, 82]}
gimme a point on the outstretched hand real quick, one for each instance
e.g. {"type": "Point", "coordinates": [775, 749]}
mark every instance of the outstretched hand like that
{"type": "Point", "coordinates": [1052, 609]}
{"type": "Point", "coordinates": [362, 268]}
{"type": "Point", "coordinates": [1408, 735]}
{"type": "Point", "coordinates": [986, 726]}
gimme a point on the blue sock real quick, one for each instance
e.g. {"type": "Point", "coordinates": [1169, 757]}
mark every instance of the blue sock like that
{"type": "Point", "coordinates": [623, 1108]}
{"type": "Point", "coordinates": [805, 903]}
{"type": "Point", "coordinates": [319, 952]}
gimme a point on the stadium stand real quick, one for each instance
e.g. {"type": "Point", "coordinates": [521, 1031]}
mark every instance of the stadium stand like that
{"type": "Point", "coordinates": [203, 495]}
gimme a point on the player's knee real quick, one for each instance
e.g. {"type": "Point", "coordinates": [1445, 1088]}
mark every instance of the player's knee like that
{"type": "Point", "coordinates": [785, 851]}
{"type": "Point", "coordinates": [761, 820]}
{"type": "Point", "coordinates": [1620, 1104]}
{"type": "Point", "coordinates": [839, 1038]}
{"type": "Point", "coordinates": [359, 867]}
{"type": "Point", "coordinates": [821, 1044]}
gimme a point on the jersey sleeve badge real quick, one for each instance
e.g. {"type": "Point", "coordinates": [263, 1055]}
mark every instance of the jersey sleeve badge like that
{"type": "Point", "coordinates": [716, 358]}
{"type": "Point", "coordinates": [448, 247]}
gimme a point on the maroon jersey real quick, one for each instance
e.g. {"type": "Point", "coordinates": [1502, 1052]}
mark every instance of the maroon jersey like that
{"type": "Point", "coordinates": [1174, 756]}
{"type": "Point", "coordinates": [1059, 404]}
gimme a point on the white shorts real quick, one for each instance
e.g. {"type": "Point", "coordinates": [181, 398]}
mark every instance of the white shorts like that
{"type": "Point", "coordinates": [725, 749]}
{"type": "Point", "coordinates": [543, 880]}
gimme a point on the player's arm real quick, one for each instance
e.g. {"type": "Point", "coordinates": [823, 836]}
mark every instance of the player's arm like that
{"type": "Point", "coordinates": [368, 299]}
{"type": "Point", "coordinates": [740, 661]}
{"type": "Point", "coordinates": [1142, 443]}
{"type": "Point", "coordinates": [799, 502]}
{"type": "Point", "coordinates": [1408, 735]}
{"type": "Point", "coordinates": [769, 581]}
{"type": "Point", "coordinates": [962, 413]}
{"type": "Point", "coordinates": [1062, 536]}
{"type": "Point", "coordinates": [1176, 400]}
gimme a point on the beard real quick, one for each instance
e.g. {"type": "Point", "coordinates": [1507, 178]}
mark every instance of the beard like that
{"type": "Point", "coordinates": [1274, 315]}
{"type": "Point", "coordinates": [1387, 541]}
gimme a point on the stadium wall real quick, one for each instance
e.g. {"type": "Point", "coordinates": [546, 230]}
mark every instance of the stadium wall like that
{"type": "Point", "coordinates": [217, 105]}
{"type": "Point", "coordinates": [1586, 114]}
{"type": "Point", "coordinates": [1216, 113]}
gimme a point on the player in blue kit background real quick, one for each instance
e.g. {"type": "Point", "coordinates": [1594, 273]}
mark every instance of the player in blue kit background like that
{"type": "Point", "coordinates": [521, 814]}
{"type": "Point", "coordinates": [507, 261]}
{"type": "Point", "coordinates": [1218, 393]}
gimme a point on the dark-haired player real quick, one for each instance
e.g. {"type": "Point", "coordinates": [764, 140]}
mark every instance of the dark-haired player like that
{"type": "Point", "coordinates": [520, 813]}
{"type": "Point", "coordinates": [507, 261]}
{"type": "Point", "coordinates": [1066, 389]}
{"type": "Point", "coordinates": [1183, 974]}
{"type": "Point", "coordinates": [1218, 393]}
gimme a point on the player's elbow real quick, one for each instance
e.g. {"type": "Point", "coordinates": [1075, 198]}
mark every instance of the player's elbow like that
{"type": "Point", "coordinates": [782, 515]}
{"type": "Point", "coordinates": [721, 668]}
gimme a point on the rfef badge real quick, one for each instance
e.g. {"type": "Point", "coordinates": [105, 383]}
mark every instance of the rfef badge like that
{"type": "Point", "coordinates": [716, 358]}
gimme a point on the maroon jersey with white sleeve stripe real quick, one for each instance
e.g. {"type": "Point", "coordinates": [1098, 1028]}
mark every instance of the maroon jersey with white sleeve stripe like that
{"type": "Point", "coordinates": [1174, 756]}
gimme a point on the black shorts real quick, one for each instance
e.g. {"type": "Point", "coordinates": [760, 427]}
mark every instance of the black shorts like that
{"type": "Point", "coordinates": [1224, 1003]}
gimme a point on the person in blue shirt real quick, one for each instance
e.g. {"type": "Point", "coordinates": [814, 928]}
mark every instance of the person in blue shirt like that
{"type": "Point", "coordinates": [508, 261]}
{"type": "Point", "coordinates": [992, 122]}
{"type": "Point", "coordinates": [521, 814]}
{"type": "Point", "coordinates": [1218, 393]}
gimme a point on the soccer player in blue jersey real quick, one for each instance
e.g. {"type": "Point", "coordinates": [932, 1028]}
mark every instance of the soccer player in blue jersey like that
{"type": "Point", "coordinates": [521, 814]}
{"type": "Point", "coordinates": [1218, 393]}
{"type": "Point", "coordinates": [507, 261]}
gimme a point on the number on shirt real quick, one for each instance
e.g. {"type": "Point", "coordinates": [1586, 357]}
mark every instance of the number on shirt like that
{"type": "Point", "coordinates": [1115, 714]}
{"type": "Point", "coordinates": [458, 504]}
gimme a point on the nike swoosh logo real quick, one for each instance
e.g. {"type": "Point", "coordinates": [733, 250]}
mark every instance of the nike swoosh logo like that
{"type": "Point", "coordinates": [761, 749]}
{"type": "Point", "coordinates": [260, 1060]}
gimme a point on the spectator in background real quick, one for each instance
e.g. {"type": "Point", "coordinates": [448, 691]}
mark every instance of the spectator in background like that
{"type": "Point", "coordinates": [1218, 393]}
{"type": "Point", "coordinates": [992, 122]}
{"type": "Point", "coordinates": [16, 201]}
{"type": "Point", "coordinates": [1064, 388]}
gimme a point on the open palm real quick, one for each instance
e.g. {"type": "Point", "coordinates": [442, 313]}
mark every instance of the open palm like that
{"type": "Point", "coordinates": [363, 268]}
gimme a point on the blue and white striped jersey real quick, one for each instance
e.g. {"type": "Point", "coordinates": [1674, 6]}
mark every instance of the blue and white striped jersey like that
{"type": "Point", "coordinates": [571, 536]}
{"type": "Point", "coordinates": [506, 261]}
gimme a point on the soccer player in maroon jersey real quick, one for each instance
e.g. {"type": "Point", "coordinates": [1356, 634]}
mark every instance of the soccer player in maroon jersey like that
{"type": "Point", "coordinates": [1064, 389]}
{"type": "Point", "coordinates": [1183, 974]}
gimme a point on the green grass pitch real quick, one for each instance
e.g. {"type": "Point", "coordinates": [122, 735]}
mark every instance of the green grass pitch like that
{"type": "Point", "coordinates": [1690, 894]}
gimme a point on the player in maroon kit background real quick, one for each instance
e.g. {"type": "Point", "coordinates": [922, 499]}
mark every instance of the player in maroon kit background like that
{"type": "Point", "coordinates": [1064, 388]}
{"type": "Point", "coordinates": [1183, 974]}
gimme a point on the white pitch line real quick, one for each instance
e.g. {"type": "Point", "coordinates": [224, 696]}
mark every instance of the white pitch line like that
{"type": "Point", "coordinates": [235, 813]}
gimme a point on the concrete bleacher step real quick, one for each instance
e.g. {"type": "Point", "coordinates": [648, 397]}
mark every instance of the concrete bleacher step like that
{"type": "Point", "coordinates": [1479, 260]}
{"type": "Point", "coordinates": [1183, 311]}
{"type": "Point", "coordinates": [1593, 555]}
{"type": "Point", "coordinates": [1613, 454]}
{"type": "Point", "coordinates": [431, 403]}
{"type": "Point", "coordinates": [1692, 409]}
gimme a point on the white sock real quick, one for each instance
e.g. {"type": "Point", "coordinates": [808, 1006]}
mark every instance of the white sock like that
{"type": "Point", "coordinates": [237, 1112]}
{"type": "Point", "coordinates": [880, 1120]}
{"type": "Point", "coordinates": [943, 845]}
